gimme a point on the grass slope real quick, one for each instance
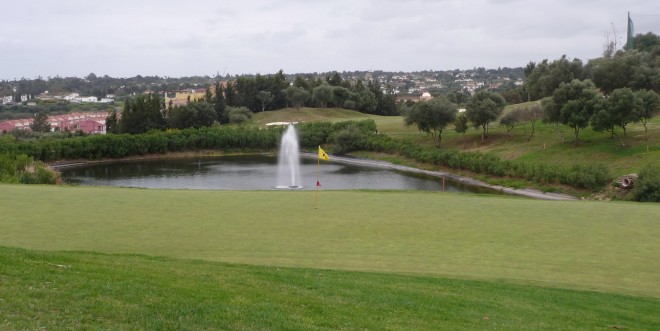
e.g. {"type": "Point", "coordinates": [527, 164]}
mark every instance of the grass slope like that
{"type": "Point", "coordinates": [59, 291]}
{"type": "Point", "coordinates": [550, 144]}
{"type": "Point", "coordinates": [609, 247]}
{"type": "Point", "coordinates": [308, 115]}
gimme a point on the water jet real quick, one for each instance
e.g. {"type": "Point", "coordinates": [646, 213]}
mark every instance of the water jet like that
{"type": "Point", "coordinates": [288, 161]}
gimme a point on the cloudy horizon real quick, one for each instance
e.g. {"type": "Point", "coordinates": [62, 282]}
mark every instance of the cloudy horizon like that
{"type": "Point", "coordinates": [203, 37]}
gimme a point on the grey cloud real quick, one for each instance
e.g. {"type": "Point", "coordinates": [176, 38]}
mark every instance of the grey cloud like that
{"type": "Point", "coordinates": [127, 37]}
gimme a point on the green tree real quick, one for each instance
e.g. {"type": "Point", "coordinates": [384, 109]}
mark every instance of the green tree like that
{"type": "Point", "coordinates": [142, 114]}
{"type": "Point", "coordinates": [297, 96]}
{"type": "Point", "coordinates": [432, 117]}
{"type": "Point", "coordinates": [322, 95]}
{"type": "Point", "coordinates": [461, 125]}
{"type": "Point", "coordinates": [340, 95]}
{"type": "Point", "coordinates": [365, 99]}
{"type": "Point", "coordinates": [529, 114]}
{"type": "Point", "coordinates": [111, 122]}
{"type": "Point", "coordinates": [483, 108]}
{"type": "Point", "coordinates": [301, 82]}
{"type": "Point", "coordinates": [40, 123]}
{"type": "Point", "coordinates": [510, 120]}
{"type": "Point", "coordinates": [334, 79]}
{"type": "Point", "coordinates": [208, 96]}
{"type": "Point", "coordinates": [265, 97]}
{"type": "Point", "coordinates": [193, 115]}
{"type": "Point", "coordinates": [181, 117]}
{"type": "Point", "coordinates": [387, 104]}
{"type": "Point", "coordinates": [230, 94]}
{"type": "Point", "coordinates": [238, 115]}
{"type": "Point", "coordinates": [575, 103]}
{"type": "Point", "coordinates": [622, 108]}
{"type": "Point", "coordinates": [247, 89]}
{"type": "Point", "coordinates": [646, 42]}
{"type": "Point", "coordinates": [633, 69]}
{"type": "Point", "coordinates": [458, 97]}
{"type": "Point", "coordinates": [602, 120]}
{"type": "Point", "coordinates": [545, 77]}
{"type": "Point", "coordinates": [650, 103]}
{"type": "Point", "coordinates": [204, 114]}
{"type": "Point", "coordinates": [220, 105]}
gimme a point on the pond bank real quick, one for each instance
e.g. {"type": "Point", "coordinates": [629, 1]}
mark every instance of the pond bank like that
{"type": "Point", "coordinates": [532, 193]}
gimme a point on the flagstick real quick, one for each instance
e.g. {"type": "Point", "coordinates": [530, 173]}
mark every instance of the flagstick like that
{"type": "Point", "coordinates": [318, 169]}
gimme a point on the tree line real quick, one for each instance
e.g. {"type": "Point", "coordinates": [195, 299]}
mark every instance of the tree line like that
{"type": "Point", "coordinates": [608, 93]}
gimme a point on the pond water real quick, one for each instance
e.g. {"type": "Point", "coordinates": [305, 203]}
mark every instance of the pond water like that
{"type": "Point", "coordinates": [251, 172]}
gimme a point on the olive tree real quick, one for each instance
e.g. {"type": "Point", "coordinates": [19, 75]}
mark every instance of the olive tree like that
{"type": "Point", "coordinates": [484, 108]}
{"type": "Point", "coordinates": [573, 104]}
{"type": "Point", "coordinates": [432, 117]}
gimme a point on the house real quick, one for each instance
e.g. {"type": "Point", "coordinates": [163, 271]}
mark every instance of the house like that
{"type": "Point", "coordinates": [180, 98]}
{"type": "Point", "coordinates": [88, 122]}
{"type": "Point", "coordinates": [88, 99]}
{"type": "Point", "coordinates": [71, 96]}
{"type": "Point", "coordinates": [92, 126]}
{"type": "Point", "coordinates": [8, 126]}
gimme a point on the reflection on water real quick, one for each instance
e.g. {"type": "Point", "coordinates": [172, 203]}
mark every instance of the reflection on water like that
{"type": "Point", "coordinates": [254, 172]}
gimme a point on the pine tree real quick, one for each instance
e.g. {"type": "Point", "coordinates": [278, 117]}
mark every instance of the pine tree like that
{"type": "Point", "coordinates": [40, 123]}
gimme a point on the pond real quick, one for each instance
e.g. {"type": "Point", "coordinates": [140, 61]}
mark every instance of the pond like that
{"type": "Point", "coordinates": [249, 172]}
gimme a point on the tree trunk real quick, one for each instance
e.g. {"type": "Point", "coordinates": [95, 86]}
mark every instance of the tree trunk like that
{"type": "Point", "coordinates": [532, 134]}
{"type": "Point", "coordinates": [623, 138]}
{"type": "Point", "coordinates": [577, 135]}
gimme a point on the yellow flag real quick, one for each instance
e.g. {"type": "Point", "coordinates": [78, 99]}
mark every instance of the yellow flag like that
{"type": "Point", "coordinates": [323, 155]}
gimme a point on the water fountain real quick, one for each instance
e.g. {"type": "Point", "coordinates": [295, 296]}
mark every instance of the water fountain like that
{"type": "Point", "coordinates": [288, 161]}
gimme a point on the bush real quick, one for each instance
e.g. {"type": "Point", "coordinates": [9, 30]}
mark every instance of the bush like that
{"type": "Point", "coordinates": [347, 140]}
{"type": "Point", "coordinates": [647, 186]}
{"type": "Point", "coordinates": [24, 169]}
{"type": "Point", "coordinates": [238, 115]}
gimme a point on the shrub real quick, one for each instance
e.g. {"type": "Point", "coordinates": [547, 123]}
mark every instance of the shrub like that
{"type": "Point", "coordinates": [24, 169]}
{"type": "Point", "coordinates": [647, 186]}
{"type": "Point", "coordinates": [238, 115]}
{"type": "Point", "coordinates": [347, 140]}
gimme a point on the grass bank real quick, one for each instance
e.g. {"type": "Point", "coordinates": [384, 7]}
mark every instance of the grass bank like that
{"type": "Point", "coordinates": [610, 247]}
{"type": "Point", "coordinates": [550, 144]}
{"type": "Point", "coordinates": [75, 290]}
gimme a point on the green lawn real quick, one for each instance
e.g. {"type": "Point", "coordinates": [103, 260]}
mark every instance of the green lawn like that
{"type": "Point", "coordinates": [86, 291]}
{"type": "Point", "coordinates": [610, 247]}
{"type": "Point", "coordinates": [308, 115]}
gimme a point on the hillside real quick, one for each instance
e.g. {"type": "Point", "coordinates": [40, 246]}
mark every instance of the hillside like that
{"type": "Point", "coordinates": [550, 144]}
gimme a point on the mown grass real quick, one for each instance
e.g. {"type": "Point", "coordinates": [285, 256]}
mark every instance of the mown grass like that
{"type": "Point", "coordinates": [81, 291]}
{"type": "Point", "coordinates": [308, 115]}
{"type": "Point", "coordinates": [609, 247]}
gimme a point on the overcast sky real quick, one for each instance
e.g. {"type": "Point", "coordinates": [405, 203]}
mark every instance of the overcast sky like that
{"type": "Point", "coordinates": [203, 37]}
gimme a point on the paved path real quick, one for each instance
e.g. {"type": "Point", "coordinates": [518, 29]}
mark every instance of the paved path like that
{"type": "Point", "coordinates": [532, 193]}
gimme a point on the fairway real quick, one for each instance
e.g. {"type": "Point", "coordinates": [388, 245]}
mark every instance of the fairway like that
{"type": "Point", "coordinates": [611, 247]}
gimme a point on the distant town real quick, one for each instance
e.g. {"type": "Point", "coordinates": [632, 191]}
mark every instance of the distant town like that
{"type": "Point", "coordinates": [92, 98]}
